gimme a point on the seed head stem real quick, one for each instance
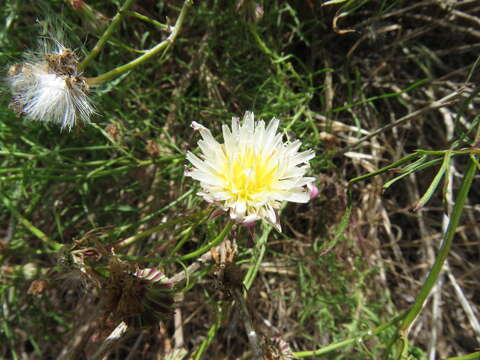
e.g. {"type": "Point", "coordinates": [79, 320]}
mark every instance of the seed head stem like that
{"type": "Point", "coordinates": [164, 45]}
{"type": "Point", "coordinates": [107, 34]}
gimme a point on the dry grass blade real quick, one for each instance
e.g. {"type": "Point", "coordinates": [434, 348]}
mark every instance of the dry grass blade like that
{"type": "Point", "coordinates": [447, 100]}
{"type": "Point", "coordinates": [109, 343]}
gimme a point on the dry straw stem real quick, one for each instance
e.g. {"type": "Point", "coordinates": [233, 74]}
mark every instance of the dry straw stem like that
{"type": "Point", "coordinates": [192, 268]}
{"type": "Point", "coordinates": [462, 298]}
{"type": "Point", "coordinates": [445, 101]}
{"type": "Point", "coordinates": [247, 321]}
{"type": "Point", "coordinates": [110, 341]}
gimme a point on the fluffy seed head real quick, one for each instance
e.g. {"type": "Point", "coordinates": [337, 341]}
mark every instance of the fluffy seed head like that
{"type": "Point", "coordinates": [253, 171]}
{"type": "Point", "coordinates": [48, 87]}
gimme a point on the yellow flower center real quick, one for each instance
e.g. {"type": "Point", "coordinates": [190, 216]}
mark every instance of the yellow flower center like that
{"type": "Point", "coordinates": [248, 174]}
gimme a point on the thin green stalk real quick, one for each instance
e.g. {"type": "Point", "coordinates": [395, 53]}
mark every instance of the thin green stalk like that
{"type": "Point", "coordinates": [115, 144]}
{"type": "Point", "coordinates": [472, 157]}
{"type": "Point", "coordinates": [186, 234]}
{"type": "Point", "coordinates": [120, 229]}
{"type": "Point", "coordinates": [210, 245]}
{"type": "Point", "coordinates": [384, 169]}
{"type": "Point", "coordinates": [443, 152]}
{"type": "Point", "coordinates": [17, 154]}
{"type": "Point", "coordinates": [260, 43]}
{"type": "Point", "coordinates": [434, 184]}
{"type": "Point", "coordinates": [342, 226]}
{"type": "Point", "coordinates": [343, 343]}
{"type": "Point", "coordinates": [410, 169]}
{"type": "Point", "coordinates": [107, 34]}
{"type": "Point", "coordinates": [260, 250]}
{"type": "Point", "coordinates": [30, 227]}
{"type": "Point", "coordinates": [164, 45]}
{"type": "Point", "coordinates": [211, 333]}
{"type": "Point", "coordinates": [472, 356]}
{"type": "Point", "coordinates": [385, 96]}
{"type": "Point", "coordinates": [274, 58]}
{"type": "Point", "coordinates": [443, 253]}
{"type": "Point", "coordinates": [147, 19]}
{"type": "Point", "coordinates": [132, 239]}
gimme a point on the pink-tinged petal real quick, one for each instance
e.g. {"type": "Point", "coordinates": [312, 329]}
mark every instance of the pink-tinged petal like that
{"type": "Point", "coordinates": [249, 225]}
{"type": "Point", "coordinates": [313, 190]}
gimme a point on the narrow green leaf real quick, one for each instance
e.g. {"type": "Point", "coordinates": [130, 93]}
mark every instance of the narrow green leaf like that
{"type": "Point", "coordinates": [411, 170]}
{"type": "Point", "coordinates": [436, 180]}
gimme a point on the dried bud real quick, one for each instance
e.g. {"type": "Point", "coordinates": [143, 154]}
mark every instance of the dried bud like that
{"type": "Point", "coordinates": [232, 276]}
{"type": "Point", "coordinates": [113, 131]}
{"type": "Point", "coordinates": [140, 298]}
{"type": "Point", "coordinates": [37, 287]}
{"type": "Point", "coordinates": [277, 349]}
{"type": "Point", "coordinates": [250, 10]}
{"type": "Point", "coordinates": [152, 148]}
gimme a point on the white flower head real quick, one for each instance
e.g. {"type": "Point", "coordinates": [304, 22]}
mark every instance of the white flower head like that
{"type": "Point", "coordinates": [48, 87]}
{"type": "Point", "coordinates": [253, 171]}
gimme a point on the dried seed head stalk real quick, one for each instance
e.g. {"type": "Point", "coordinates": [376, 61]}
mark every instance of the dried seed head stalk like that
{"type": "Point", "coordinates": [48, 86]}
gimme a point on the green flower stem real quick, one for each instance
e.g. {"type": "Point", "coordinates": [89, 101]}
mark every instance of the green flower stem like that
{"type": "Point", "coordinates": [274, 58]}
{"type": "Point", "coordinates": [211, 333]}
{"type": "Point", "coordinates": [443, 253]}
{"type": "Point", "coordinates": [435, 182]}
{"type": "Point", "coordinates": [443, 152]}
{"type": "Point", "coordinates": [147, 19]}
{"type": "Point", "coordinates": [343, 343]}
{"type": "Point", "coordinates": [132, 239]}
{"type": "Point", "coordinates": [474, 159]}
{"type": "Point", "coordinates": [107, 34]}
{"type": "Point", "coordinates": [410, 169]}
{"type": "Point", "coordinates": [17, 154]}
{"type": "Point", "coordinates": [260, 43]}
{"type": "Point", "coordinates": [394, 165]}
{"type": "Point", "coordinates": [260, 253]}
{"type": "Point", "coordinates": [114, 143]}
{"type": "Point", "coordinates": [472, 356]}
{"type": "Point", "coordinates": [164, 45]}
{"type": "Point", "coordinates": [210, 245]}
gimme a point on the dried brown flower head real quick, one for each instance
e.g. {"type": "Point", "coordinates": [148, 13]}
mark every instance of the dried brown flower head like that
{"type": "Point", "coordinates": [139, 298]}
